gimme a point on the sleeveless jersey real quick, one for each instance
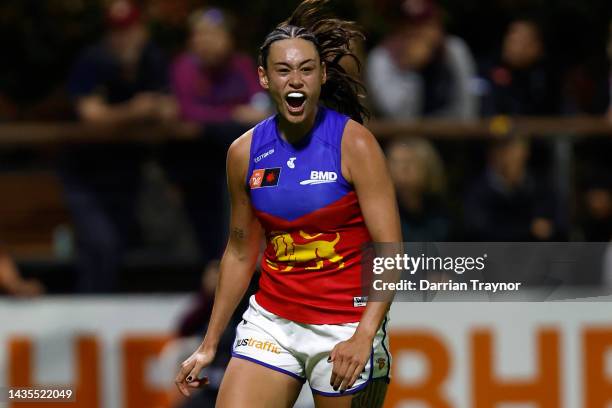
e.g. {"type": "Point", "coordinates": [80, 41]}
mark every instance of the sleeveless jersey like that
{"type": "Point", "coordinates": [315, 232]}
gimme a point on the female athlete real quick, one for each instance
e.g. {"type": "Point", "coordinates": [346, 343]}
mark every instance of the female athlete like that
{"type": "Point", "coordinates": [314, 180]}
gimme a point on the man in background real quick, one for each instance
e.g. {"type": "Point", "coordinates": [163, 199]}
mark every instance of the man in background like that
{"type": "Point", "coordinates": [517, 80]}
{"type": "Point", "coordinates": [123, 79]}
{"type": "Point", "coordinates": [420, 70]}
{"type": "Point", "coordinates": [507, 203]}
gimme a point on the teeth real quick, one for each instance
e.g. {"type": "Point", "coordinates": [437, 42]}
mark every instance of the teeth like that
{"type": "Point", "coordinates": [296, 95]}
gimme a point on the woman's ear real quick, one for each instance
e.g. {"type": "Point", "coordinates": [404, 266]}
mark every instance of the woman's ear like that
{"type": "Point", "coordinates": [263, 77]}
{"type": "Point", "coordinates": [323, 73]}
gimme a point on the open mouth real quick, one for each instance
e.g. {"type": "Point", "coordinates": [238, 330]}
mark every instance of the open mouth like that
{"type": "Point", "coordinates": [295, 101]}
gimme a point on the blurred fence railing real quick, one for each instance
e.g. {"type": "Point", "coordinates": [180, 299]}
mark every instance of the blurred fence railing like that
{"type": "Point", "coordinates": [45, 133]}
{"type": "Point", "coordinates": [495, 126]}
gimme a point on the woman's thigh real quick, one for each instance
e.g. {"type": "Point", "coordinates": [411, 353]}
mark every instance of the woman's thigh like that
{"type": "Point", "coordinates": [372, 396]}
{"type": "Point", "coordinates": [248, 384]}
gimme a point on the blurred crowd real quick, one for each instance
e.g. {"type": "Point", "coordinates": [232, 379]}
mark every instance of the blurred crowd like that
{"type": "Point", "coordinates": [416, 69]}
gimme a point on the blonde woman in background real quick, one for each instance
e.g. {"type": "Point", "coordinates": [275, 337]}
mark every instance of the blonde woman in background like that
{"type": "Point", "coordinates": [418, 174]}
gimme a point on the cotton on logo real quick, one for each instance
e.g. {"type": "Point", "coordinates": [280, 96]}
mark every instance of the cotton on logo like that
{"type": "Point", "coordinates": [320, 177]}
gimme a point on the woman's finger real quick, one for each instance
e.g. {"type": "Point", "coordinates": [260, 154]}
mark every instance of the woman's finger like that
{"type": "Point", "coordinates": [341, 366]}
{"type": "Point", "coordinates": [200, 382]}
{"type": "Point", "coordinates": [356, 373]}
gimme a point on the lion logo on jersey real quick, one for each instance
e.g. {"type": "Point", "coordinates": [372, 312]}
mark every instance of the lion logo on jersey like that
{"type": "Point", "coordinates": [308, 250]}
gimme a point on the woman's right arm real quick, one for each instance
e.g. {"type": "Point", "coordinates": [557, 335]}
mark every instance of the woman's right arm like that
{"type": "Point", "coordinates": [237, 265]}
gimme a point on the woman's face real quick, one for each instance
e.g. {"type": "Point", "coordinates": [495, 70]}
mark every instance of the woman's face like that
{"type": "Point", "coordinates": [211, 42]}
{"type": "Point", "coordinates": [406, 168]}
{"type": "Point", "coordinates": [293, 76]}
{"type": "Point", "coordinates": [420, 44]}
{"type": "Point", "coordinates": [128, 43]}
{"type": "Point", "coordinates": [522, 46]}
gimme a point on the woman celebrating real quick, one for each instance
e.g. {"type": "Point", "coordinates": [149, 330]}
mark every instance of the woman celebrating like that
{"type": "Point", "coordinates": [314, 180]}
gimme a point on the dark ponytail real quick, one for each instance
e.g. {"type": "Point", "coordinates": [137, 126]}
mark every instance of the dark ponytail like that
{"type": "Point", "coordinates": [332, 37]}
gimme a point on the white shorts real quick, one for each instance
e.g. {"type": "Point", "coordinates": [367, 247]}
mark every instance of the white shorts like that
{"type": "Point", "coordinates": [301, 350]}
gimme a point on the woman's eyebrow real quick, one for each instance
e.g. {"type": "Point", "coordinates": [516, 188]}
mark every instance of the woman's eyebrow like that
{"type": "Point", "coordinates": [289, 65]}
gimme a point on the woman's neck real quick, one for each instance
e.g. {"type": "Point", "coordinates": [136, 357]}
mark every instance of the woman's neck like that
{"type": "Point", "coordinates": [294, 132]}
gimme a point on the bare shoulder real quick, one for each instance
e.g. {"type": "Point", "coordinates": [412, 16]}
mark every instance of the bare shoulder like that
{"type": "Point", "coordinates": [238, 157]}
{"type": "Point", "coordinates": [360, 151]}
{"type": "Point", "coordinates": [358, 141]}
{"type": "Point", "coordinates": [240, 148]}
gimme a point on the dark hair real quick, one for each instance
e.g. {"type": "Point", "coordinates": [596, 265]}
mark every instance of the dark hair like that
{"type": "Point", "coordinates": [332, 38]}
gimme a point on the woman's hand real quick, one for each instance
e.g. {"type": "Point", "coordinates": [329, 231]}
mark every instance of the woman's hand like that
{"type": "Point", "coordinates": [190, 369]}
{"type": "Point", "coordinates": [349, 358]}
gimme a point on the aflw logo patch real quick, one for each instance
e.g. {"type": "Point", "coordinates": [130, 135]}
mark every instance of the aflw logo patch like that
{"type": "Point", "coordinates": [320, 177]}
{"type": "Point", "coordinates": [264, 177]}
{"type": "Point", "coordinates": [360, 301]}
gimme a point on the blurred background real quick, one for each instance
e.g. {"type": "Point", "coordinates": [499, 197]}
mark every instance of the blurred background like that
{"type": "Point", "coordinates": [115, 118]}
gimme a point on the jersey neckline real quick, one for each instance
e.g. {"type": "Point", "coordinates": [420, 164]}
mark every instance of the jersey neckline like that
{"type": "Point", "coordinates": [304, 141]}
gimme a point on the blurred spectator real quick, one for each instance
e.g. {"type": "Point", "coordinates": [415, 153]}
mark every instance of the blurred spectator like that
{"type": "Point", "coordinates": [420, 70]}
{"type": "Point", "coordinates": [218, 87]}
{"type": "Point", "coordinates": [598, 226]}
{"type": "Point", "coordinates": [596, 190]}
{"type": "Point", "coordinates": [122, 79]}
{"type": "Point", "coordinates": [212, 82]}
{"type": "Point", "coordinates": [195, 322]}
{"type": "Point", "coordinates": [597, 218]}
{"type": "Point", "coordinates": [11, 282]}
{"type": "Point", "coordinates": [517, 81]}
{"type": "Point", "coordinates": [587, 84]}
{"type": "Point", "coordinates": [610, 72]}
{"type": "Point", "coordinates": [506, 203]}
{"type": "Point", "coordinates": [418, 174]}
{"type": "Point", "coordinates": [586, 88]}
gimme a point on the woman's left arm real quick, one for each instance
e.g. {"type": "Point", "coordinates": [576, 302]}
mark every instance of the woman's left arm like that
{"type": "Point", "coordinates": [364, 165]}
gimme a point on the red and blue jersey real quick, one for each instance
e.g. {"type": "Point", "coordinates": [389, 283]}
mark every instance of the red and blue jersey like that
{"type": "Point", "coordinates": [315, 232]}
